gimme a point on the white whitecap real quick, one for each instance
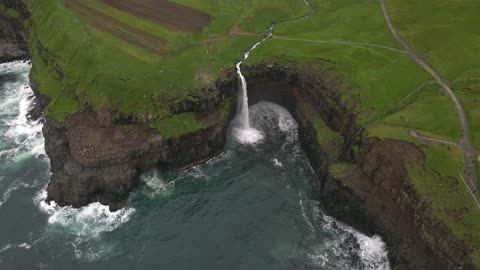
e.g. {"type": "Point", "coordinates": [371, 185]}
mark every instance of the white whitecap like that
{"type": "Point", "coordinates": [373, 252]}
{"type": "Point", "coordinates": [85, 224]}
{"type": "Point", "coordinates": [155, 183]}
{"type": "Point", "coordinates": [22, 137]}
{"type": "Point", "coordinates": [277, 163]}
{"type": "Point", "coordinates": [15, 66]}
{"type": "Point", "coordinates": [10, 246]}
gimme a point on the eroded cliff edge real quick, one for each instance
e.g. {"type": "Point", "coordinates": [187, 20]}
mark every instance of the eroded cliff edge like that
{"type": "Point", "coordinates": [97, 156]}
{"type": "Point", "coordinates": [364, 181]}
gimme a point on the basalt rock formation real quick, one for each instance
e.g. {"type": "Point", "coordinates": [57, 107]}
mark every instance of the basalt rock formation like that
{"type": "Point", "coordinates": [377, 195]}
{"type": "Point", "coordinates": [13, 36]}
{"type": "Point", "coordinates": [95, 157]}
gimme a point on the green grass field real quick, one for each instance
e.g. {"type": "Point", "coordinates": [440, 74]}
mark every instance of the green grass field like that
{"type": "Point", "coordinates": [381, 77]}
{"type": "Point", "coordinates": [447, 33]}
{"type": "Point", "coordinates": [441, 184]}
{"type": "Point", "coordinates": [90, 54]}
{"type": "Point", "coordinates": [102, 70]}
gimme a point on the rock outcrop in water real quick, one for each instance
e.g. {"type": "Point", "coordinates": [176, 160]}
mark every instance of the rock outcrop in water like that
{"type": "Point", "coordinates": [13, 36]}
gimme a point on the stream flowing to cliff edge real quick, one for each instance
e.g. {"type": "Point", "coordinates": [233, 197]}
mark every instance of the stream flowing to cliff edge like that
{"type": "Point", "coordinates": [243, 130]}
{"type": "Point", "coordinates": [249, 208]}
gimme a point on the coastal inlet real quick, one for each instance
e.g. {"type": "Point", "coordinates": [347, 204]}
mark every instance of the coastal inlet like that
{"type": "Point", "coordinates": [249, 208]}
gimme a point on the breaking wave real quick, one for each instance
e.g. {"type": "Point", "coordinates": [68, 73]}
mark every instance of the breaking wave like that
{"type": "Point", "coordinates": [22, 138]}
{"type": "Point", "coordinates": [155, 183]}
{"type": "Point", "coordinates": [371, 251]}
{"type": "Point", "coordinates": [343, 247]}
{"type": "Point", "coordinates": [84, 226]}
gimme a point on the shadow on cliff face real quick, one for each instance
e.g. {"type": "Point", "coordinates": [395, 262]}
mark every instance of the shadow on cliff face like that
{"type": "Point", "coordinates": [293, 89]}
{"type": "Point", "coordinates": [278, 92]}
{"type": "Point", "coordinates": [378, 195]}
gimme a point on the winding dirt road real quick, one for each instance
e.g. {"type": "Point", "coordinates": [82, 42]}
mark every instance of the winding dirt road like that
{"type": "Point", "coordinates": [425, 139]}
{"type": "Point", "coordinates": [465, 141]}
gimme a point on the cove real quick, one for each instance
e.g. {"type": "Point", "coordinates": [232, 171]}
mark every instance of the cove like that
{"type": "Point", "coordinates": [249, 208]}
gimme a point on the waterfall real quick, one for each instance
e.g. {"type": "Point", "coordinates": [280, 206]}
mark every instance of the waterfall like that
{"type": "Point", "coordinates": [244, 132]}
{"type": "Point", "coordinates": [243, 116]}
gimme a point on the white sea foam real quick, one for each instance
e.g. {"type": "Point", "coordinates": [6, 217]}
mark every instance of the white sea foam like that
{"type": "Point", "coordinates": [277, 163]}
{"type": "Point", "coordinates": [304, 214]}
{"type": "Point", "coordinates": [372, 250]}
{"type": "Point", "coordinates": [13, 187]}
{"type": "Point", "coordinates": [342, 247]}
{"type": "Point", "coordinates": [86, 224]}
{"type": "Point", "coordinates": [16, 66]}
{"type": "Point", "coordinates": [155, 183]}
{"type": "Point", "coordinates": [248, 135]}
{"type": "Point", "coordinates": [10, 246]}
{"type": "Point", "coordinates": [22, 137]}
{"type": "Point", "coordinates": [91, 220]}
{"type": "Point", "coordinates": [274, 120]}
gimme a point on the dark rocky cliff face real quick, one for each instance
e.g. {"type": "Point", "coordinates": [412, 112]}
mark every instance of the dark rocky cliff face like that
{"type": "Point", "coordinates": [94, 163]}
{"type": "Point", "coordinates": [13, 36]}
{"type": "Point", "coordinates": [95, 158]}
{"type": "Point", "coordinates": [377, 196]}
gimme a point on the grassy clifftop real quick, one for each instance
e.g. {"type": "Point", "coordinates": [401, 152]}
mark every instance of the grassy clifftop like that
{"type": "Point", "coordinates": [144, 57]}
{"type": "Point", "coordinates": [391, 94]}
{"type": "Point", "coordinates": [101, 54]}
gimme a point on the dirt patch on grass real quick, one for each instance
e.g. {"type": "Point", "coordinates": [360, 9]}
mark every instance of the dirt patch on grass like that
{"type": "Point", "coordinates": [235, 31]}
{"type": "Point", "coordinates": [118, 29]}
{"type": "Point", "coordinates": [172, 15]}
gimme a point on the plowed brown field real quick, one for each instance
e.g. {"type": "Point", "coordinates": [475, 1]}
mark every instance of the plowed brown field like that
{"type": "Point", "coordinates": [118, 29]}
{"type": "Point", "coordinates": [172, 15]}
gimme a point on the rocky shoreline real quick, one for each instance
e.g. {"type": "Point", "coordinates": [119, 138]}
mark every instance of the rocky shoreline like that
{"type": "Point", "coordinates": [95, 157]}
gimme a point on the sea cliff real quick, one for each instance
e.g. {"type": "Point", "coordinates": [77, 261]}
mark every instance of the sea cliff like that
{"type": "Point", "coordinates": [97, 155]}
